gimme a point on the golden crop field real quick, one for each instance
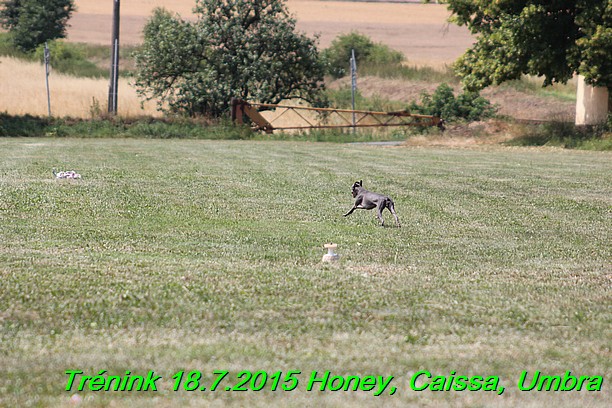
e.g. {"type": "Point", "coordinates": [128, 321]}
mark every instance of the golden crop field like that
{"type": "Point", "coordinates": [420, 31]}
{"type": "Point", "coordinates": [24, 91]}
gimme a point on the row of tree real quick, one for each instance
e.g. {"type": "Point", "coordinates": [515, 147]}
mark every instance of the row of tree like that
{"type": "Point", "coordinates": [251, 49]}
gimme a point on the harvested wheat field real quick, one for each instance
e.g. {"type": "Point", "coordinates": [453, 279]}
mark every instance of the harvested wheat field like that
{"type": "Point", "coordinates": [26, 93]}
{"type": "Point", "coordinates": [420, 31]}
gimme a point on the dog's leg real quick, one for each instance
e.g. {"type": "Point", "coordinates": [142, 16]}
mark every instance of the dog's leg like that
{"type": "Point", "coordinates": [379, 210]}
{"type": "Point", "coordinates": [350, 211]}
{"type": "Point", "coordinates": [357, 205]}
{"type": "Point", "coordinates": [392, 210]}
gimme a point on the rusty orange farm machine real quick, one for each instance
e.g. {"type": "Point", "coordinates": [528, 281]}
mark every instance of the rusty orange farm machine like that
{"type": "Point", "coordinates": [308, 118]}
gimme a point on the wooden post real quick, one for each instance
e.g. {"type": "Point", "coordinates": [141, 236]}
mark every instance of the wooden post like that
{"type": "Point", "coordinates": [241, 108]}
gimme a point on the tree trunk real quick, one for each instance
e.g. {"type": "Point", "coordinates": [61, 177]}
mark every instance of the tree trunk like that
{"type": "Point", "coordinates": [592, 103]}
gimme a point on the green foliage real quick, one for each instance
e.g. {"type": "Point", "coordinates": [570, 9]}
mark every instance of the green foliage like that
{"type": "Point", "coordinates": [596, 63]}
{"type": "Point", "coordinates": [468, 106]}
{"type": "Point", "coordinates": [7, 48]}
{"type": "Point", "coordinates": [549, 39]}
{"type": "Point", "coordinates": [76, 59]}
{"type": "Point", "coordinates": [100, 127]}
{"type": "Point", "coordinates": [32, 22]}
{"type": "Point", "coordinates": [367, 53]}
{"type": "Point", "coordinates": [22, 125]}
{"type": "Point", "coordinates": [243, 49]}
{"type": "Point", "coordinates": [10, 13]}
{"type": "Point", "coordinates": [70, 59]}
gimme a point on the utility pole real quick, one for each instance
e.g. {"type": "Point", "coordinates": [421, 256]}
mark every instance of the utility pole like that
{"type": "Point", "coordinates": [114, 73]}
{"type": "Point", "coordinates": [353, 84]}
{"type": "Point", "coordinates": [47, 57]}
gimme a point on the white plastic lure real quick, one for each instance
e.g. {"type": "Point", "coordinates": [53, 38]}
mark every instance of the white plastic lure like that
{"type": "Point", "coordinates": [66, 174]}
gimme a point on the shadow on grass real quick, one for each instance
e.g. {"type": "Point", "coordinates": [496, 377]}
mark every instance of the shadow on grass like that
{"type": "Point", "coordinates": [171, 128]}
{"type": "Point", "coordinates": [566, 135]}
{"type": "Point", "coordinates": [23, 125]}
{"type": "Point", "coordinates": [109, 127]}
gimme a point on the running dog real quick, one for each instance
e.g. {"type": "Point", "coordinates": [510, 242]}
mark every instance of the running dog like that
{"type": "Point", "coordinates": [366, 200]}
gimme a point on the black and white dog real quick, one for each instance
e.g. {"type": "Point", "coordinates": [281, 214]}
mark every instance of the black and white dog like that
{"type": "Point", "coordinates": [366, 200]}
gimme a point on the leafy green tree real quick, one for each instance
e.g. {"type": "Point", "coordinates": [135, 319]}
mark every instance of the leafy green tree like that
{"type": "Point", "coordinates": [9, 14]}
{"type": "Point", "coordinates": [552, 39]}
{"type": "Point", "coordinates": [32, 22]}
{"type": "Point", "coordinates": [367, 52]}
{"type": "Point", "coordinates": [244, 48]}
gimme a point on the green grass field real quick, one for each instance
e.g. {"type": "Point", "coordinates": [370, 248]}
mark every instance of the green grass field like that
{"type": "Point", "coordinates": [173, 255]}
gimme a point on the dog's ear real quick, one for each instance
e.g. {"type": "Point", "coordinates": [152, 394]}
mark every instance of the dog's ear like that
{"type": "Point", "coordinates": [361, 183]}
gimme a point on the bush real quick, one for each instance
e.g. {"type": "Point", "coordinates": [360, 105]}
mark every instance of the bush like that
{"type": "Point", "coordinates": [7, 48]}
{"type": "Point", "coordinates": [468, 106]}
{"type": "Point", "coordinates": [70, 59]}
{"type": "Point", "coordinates": [367, 53]}
{"type": "Point", "coordinates": [22, 125]}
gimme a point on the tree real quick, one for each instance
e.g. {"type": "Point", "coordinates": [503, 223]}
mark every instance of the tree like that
{"type": "Point", "coordinates": [9, 15]}
{"type": "Point", "coordinates": [367, 52]}
{"type": "Point", "coordinates": [244, 48]}
{"type": "Point", "coordinates": [32, 22]}
{"type": "Point", "coordinates": [552, 39]}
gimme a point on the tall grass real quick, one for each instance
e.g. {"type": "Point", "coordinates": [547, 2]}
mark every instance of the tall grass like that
{"type": "Point", "coordinates": [410, 72]}
{"type": "Point", "coordinates": [23, 91]}
{"type": "Point", "coordinates": [342, 98]}
{"type": "Point", "coordinates": [533, 85]}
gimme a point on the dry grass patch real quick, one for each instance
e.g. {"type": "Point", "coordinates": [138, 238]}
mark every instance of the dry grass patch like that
{"type": "Point", "coordinates": [25, 93]}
